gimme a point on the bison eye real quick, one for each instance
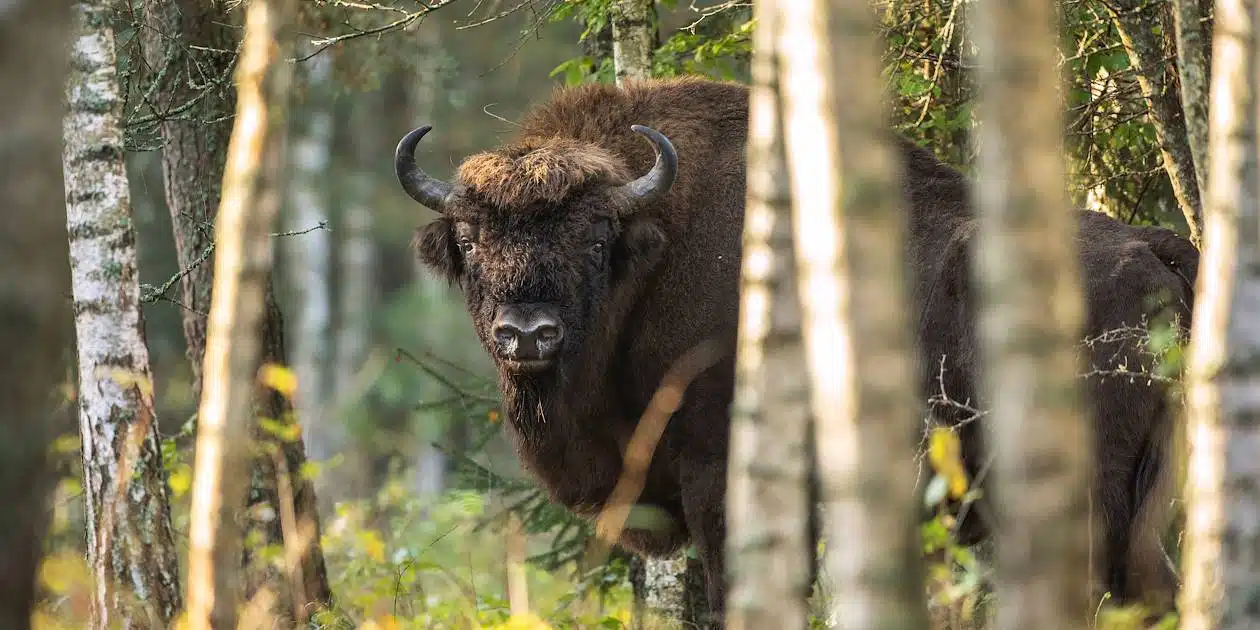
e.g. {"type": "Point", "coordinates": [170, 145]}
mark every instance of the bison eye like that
{"type": "Point", "coordinates": [466, 247]}
{"type": "Point", "coordinates": [597, 249]}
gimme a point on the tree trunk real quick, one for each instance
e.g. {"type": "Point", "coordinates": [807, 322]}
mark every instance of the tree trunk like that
{"type": "Point", "coordinates": [1136, 21]}
{"type": "Point", "coordinates": [1194, 46]}
{"type": "Point", "coordinates": [848, 226]}
{"type": "Point", "coordinates": [768, 500]}
{"type": "Point", "coordinates": [308, 257]}
{"type": "Point", "coordinates": [130, 544]}
{"type": "Point", "coordinates": [1026, 260]}
{"type": "Point", "coordinates": [633, 28]}
{"type": "Point", "coordinates": [1223, 488]}
{"type": "Point", "coordinates": [190, 48]}
{"type": "Point", "coordinates": [35, 325]}
{"type": "Point", "coordinates": [251, 197]}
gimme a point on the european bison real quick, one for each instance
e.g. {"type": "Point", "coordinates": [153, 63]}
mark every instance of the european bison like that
{"type": "Point", "coordinates": [593, 252]}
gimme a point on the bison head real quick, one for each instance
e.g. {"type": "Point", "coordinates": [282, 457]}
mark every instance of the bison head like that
{"type": "Point", "coordinates": [543, 239]}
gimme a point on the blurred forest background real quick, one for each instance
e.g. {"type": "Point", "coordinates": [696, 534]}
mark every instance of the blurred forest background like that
{"type": "Point", "coordinates": [402, 433]}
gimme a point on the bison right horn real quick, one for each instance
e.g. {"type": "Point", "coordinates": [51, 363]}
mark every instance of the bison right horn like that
{"type": "Point", "coordinates": [657, 181]}
{"type": "Point", "coordinates": [429, 191]}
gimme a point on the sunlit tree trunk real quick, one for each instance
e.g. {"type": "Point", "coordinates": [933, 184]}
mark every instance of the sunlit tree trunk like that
{"type": "Point", "coordinates": [1140, 24]}
{"type": "Point", "coordinates": [130, 546]}
{"type": "Point", "coordinates": [1223, 482]}
{"type": "Point", "coordinates": [848, 227]}
{"type": "Point", "coordinates": [633, 38]}
{"type": "Point", "coordinates": [250, 202]}
{"type": "Point", "coordinates": [35, 322]}
{"type": "Point", "coordinates": [1194, 45]}
{"type": "Point", "coordinates": [189, 46]}
{"type": "Point", "coordinates": [1030, 320]}
{"type": "Point", "coordinates": [767, 535]}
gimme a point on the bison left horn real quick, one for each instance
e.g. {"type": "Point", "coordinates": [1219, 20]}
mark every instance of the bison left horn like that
{"type": "Point", "coordinates": [657, 181]}
{"type": "Point", "coordinates": [429, 191]}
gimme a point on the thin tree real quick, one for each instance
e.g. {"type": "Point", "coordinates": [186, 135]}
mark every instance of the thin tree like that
{"type": "Point", "coordinates": [1193, 32]}
{"type": "Point", "coordinates": [35, 322]}
{"type": "Point", "coordinates": [633, 38]}
{"type": "Point", "coordinates": [187, 46]}
{"type": "Point", "coordinates": [768, 501]}
{"type": "Point", "coordinates": [130, 545]}
{"type": "Point", "coordinates": [1140, 24]}
{"type": "Point", "coordinates": [848, 225]}
{"type": "Point", "coordinates": [251, 200]}
{"type": "Point", "coordinates": [1223, 481]}
{"type": "Point", "coordinates": [1030, 319]}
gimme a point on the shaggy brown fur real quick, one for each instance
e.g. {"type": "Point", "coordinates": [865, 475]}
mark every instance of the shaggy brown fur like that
{"type": "Point", "coordinates": [533, 171]}
{"type": "Point", "coordinates": [635, 293]}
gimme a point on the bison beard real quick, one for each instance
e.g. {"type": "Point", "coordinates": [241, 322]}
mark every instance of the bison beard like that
{"type": "Point", "coordinates": [631, 273]}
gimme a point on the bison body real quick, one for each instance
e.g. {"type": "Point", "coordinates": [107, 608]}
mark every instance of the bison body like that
{"type": "Point", "coordinates": [591, 259]}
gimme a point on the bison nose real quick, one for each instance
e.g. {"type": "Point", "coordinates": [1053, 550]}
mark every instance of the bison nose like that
{"type": "Point", "coordinates": [527, 336]}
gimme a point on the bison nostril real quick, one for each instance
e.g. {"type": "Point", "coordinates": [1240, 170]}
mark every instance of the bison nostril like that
{"type": "Point", "coordinates": [548, 333]}
{"type": "Point", "coordinates": [505, 334]}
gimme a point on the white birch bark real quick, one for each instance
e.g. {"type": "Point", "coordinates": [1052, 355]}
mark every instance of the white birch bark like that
{"type": "Point", "coordinates": [129, 540]}
{"type": "Point", "coordinates": [1222, 536]}
{"type": "Point", "coordinates": [308, 267]}
{"type": "Point", "coordinates": [1030, 319]}
{"type": "Point", "coordinates": [632, 39]}
{"type": "Point", "coordinates": [848, 228]}
{"type": "Point", "coordinates": [769, 554]}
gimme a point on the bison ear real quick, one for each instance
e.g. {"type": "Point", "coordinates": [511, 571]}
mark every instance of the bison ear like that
{"type": "Point", "coordinates": [435, 247]}
{"type": "Point", "coordinates": [638, 250]}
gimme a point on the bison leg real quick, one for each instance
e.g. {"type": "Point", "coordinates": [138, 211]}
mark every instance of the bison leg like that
{"type": "Point", "coordinates": [703, 491]}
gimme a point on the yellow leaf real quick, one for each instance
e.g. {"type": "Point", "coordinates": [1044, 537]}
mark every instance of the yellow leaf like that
{"type": "Point", "coordinates": [66, 444]}
{"type": "Point", "coordinates": [62, 572]}
{"type": "Point", "coordinates": [527, 621]}
{"type": "Point", "coordinates": [279, 378]}
{"type": "Point", "coordinates": [180, 479]}
{"type": "Point", "coordinates": [945, 453]}
{"type": "Point", "coordinates": [373, 546]}
{"type": "Point", "coordinates": [128, 378]}
{"type": "Point", "coordinates": [384, 622]}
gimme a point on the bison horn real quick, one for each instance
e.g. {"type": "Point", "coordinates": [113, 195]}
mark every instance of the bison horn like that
{"type": "Point", "coordinates": [657, 181]}
{"type": "Point", "coordinates": [429, 191]}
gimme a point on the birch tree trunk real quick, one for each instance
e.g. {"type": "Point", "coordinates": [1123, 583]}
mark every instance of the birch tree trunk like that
{"type": "Point", "coordinates": [1137, 21]}
{"type": "Point", "coordinates": [848, 228]}
{"type": "Point", "coordinates": [1030, 319]}
{"type": "Point", "coordinates": [130, 545]}
{"type": "Point", "coordinates": [768, 500]}
{"type": "Point", "coordinates": [633, 38]}
{"type": "Point", "coordinates": [1194, 44]}
{"type": "Point", "coordinates": [190, 48]}
{"type": "Point", "coordinates": [251, 197]}
{"type": "Point", "coordinates": [1222, 533]}
{"type": "Point", "coordinates": [35, 323]}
